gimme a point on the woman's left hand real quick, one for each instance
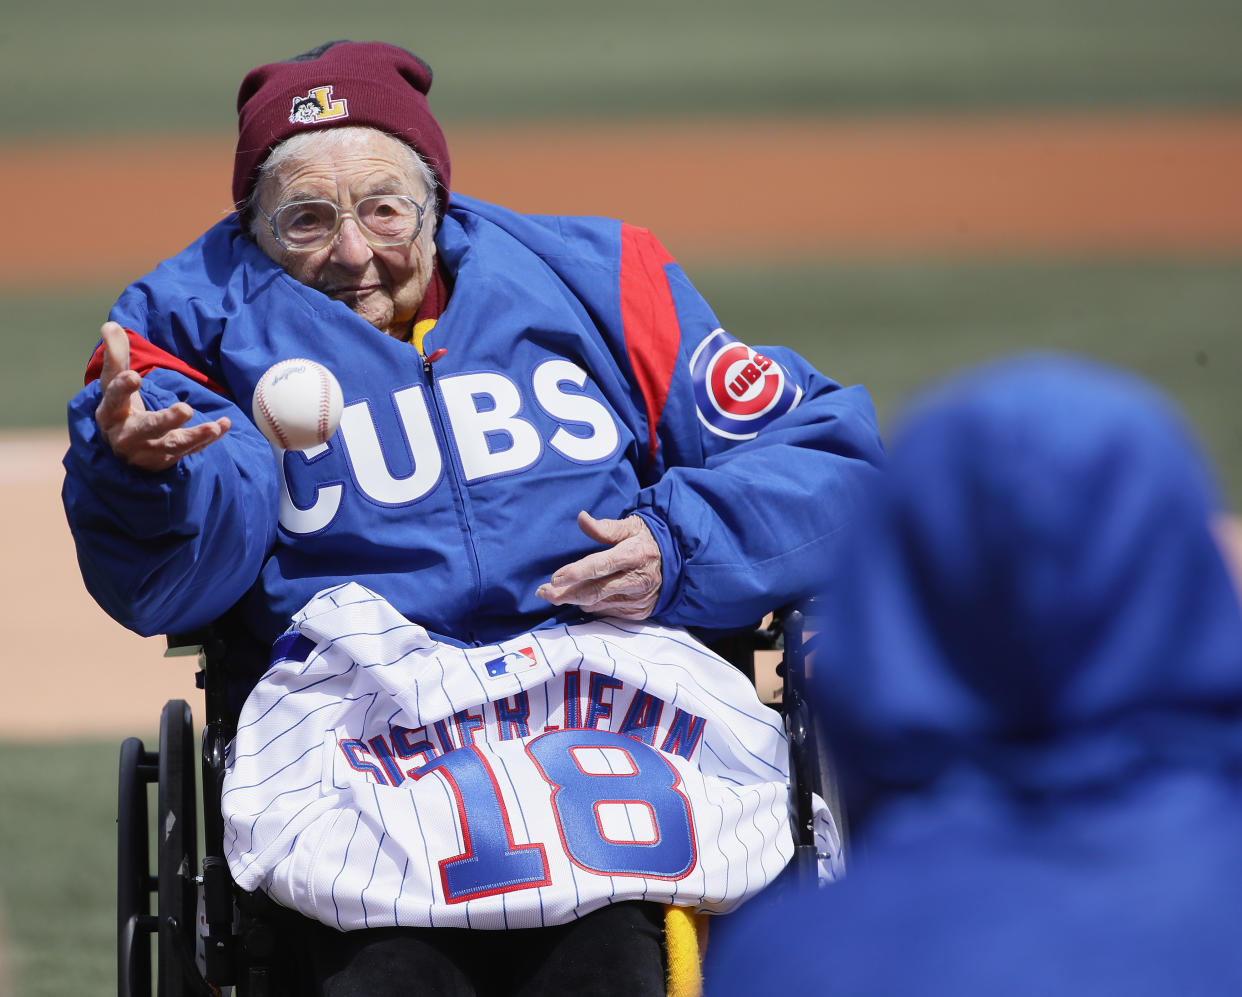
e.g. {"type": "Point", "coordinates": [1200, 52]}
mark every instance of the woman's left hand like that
{"type": "Point", "coordinates": [623, 580]}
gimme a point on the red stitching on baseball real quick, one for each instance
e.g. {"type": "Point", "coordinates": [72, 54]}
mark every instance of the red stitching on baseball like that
{"type": "Point", "coordinates": [325, 404]}
{"type": "Point", "coordinates": [261, 398]}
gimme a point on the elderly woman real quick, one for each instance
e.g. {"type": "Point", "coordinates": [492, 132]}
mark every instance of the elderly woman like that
{"type": "Point", "coordinates": [504, 376]}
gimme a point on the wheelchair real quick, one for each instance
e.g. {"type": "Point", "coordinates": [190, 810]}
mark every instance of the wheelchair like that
{"type": "Point", "coordinates": [205, 936]}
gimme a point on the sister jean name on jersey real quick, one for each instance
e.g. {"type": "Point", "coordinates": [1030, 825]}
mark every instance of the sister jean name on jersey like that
{"type": "Point", "coordinates": [390, 758]}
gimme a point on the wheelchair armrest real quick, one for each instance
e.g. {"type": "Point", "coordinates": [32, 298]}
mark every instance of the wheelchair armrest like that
{"type": "Point", "coordinates": [188, 644]}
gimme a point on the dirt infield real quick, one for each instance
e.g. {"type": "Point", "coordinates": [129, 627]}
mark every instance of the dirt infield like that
{"type": "Point", "coordinates": [1130, 184]}
{"type": "Point", "coordinates": [833, 186]}
{"type": "Point", "coordinates": [69, 671]}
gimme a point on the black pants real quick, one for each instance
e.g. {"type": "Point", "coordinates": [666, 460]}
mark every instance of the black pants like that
{"type": "Point", "coordinates": [616, 950]}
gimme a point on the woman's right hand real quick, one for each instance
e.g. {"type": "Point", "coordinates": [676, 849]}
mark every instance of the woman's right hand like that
{"type": "Point", "coordinates": [150, 440]}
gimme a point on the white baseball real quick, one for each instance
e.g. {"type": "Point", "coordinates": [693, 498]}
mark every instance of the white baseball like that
{"type": "Point", "coordinates": [297, 404]}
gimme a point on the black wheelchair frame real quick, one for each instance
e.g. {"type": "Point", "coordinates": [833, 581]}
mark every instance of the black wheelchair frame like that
{"type": "Point", "coordinates": [209, 935]}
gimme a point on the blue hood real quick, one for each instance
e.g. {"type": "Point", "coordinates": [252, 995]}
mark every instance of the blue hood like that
{"type": "Point", "coordinates": [1040, 600]}
{"type": "Point", "coordinates": [1034, 696]}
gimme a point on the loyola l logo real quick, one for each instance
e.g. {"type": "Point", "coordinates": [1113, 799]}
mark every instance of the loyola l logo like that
{"type": "Point", "coordinates": [318, 106]}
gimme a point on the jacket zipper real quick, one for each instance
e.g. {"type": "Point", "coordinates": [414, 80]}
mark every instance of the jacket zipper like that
{"type": "Point", "coordinates": [433, 404]}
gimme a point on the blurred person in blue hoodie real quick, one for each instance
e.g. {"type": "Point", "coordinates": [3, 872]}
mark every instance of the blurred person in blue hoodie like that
{"type": "Point", "coordinates": [1034, 694]}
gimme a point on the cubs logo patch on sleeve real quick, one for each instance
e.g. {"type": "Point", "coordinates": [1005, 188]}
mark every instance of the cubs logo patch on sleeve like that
{"type": "Point", "coordinates": [738, 391]}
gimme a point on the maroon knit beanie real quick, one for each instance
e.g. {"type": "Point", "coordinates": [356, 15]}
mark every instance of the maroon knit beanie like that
{"type": "Point", "coordinates": [338, 83]}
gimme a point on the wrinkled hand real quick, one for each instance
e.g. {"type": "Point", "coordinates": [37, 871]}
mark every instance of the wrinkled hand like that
{"type": "Point", "coordinates": [149, 440]}
{"type": "Point", "coordinates": [623, 580]}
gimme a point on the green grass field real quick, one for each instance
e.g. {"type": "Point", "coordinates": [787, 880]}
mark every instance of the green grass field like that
{"type": "Point", "coordinates": [69, 67]}
{"type": "Point", "coordinates": [58, 874]}
{"type": "Point", "coordinates": [891, 325]}
{"type": "Point", "coordinates": [897, 326]}
{"type": "Point", "coordinates": [133, 65]}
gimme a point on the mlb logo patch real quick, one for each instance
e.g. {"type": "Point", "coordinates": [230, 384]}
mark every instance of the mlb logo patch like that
{"type": "Point", "coordinates": [511, 663]}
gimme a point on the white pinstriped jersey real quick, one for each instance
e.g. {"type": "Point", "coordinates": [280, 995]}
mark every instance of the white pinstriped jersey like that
{"type": "Point", "coordinates": [380, 777]}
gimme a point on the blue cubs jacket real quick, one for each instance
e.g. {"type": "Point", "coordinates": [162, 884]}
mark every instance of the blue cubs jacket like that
{"type": "Point", "coordinates": [580, 370]}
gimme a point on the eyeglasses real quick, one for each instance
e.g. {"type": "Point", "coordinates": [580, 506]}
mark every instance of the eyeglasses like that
{"type": "Point", "coordinates": [383, 220]}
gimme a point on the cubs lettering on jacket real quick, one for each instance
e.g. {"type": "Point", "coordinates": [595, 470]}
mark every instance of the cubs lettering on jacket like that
{"type": "Point", "coordinates": [486, 426]}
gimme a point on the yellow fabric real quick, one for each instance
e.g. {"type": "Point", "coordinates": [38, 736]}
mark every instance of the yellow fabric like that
{"type": "Point", "coordinates": [420, 330]}
{"type": "Point", "coordinates": [685, 938]}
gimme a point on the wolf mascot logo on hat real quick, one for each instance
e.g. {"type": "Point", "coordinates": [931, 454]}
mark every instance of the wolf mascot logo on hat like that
{"type": "Point", "coordinates": [317, 106]}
